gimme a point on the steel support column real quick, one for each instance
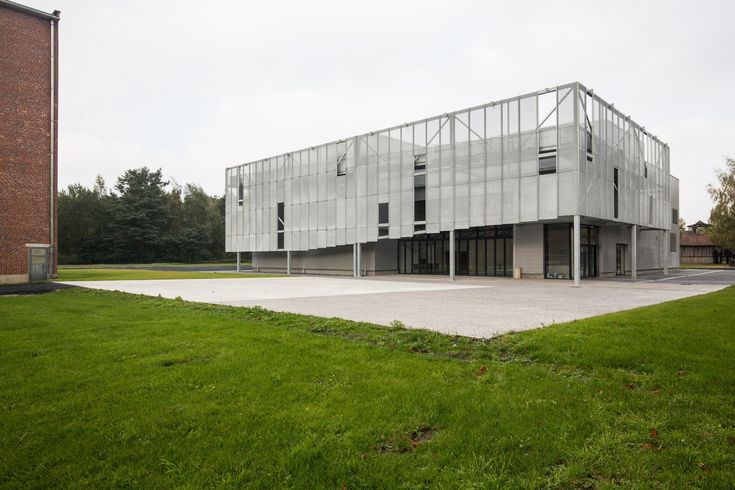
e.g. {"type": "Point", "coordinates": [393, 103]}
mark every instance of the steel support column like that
{"type": "Point", "coordinates": [238, 261]}
{"type": "Point", "coordinates": [288, 262]}
{"type": "Point", "coordinates": [577, 252]}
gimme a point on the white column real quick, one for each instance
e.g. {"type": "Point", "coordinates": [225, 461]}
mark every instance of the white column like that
{"type": "Point", "coordinates": [665, 244]}
{"type": "Point", "coordinates": [359, 260]}
{"type": "Point", "coordinates": [634, 252]}
{"type": "Point", "coordinates": [288, 262]}
{"type": "Point", "coordinates": [577, 252]}
{"type": "Point", "coordinates": [451, 255]}
{"type": "Point", "coordinates": [238, 261]}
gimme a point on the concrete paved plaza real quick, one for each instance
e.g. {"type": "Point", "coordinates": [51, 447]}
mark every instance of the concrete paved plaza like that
{"type": "Point", "coordinates": [476, 307]}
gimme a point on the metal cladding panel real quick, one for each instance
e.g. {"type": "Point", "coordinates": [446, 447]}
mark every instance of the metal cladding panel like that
{"type": "Point", "coordinates": [482, 167]}
{"type": "Point", "coordinates": [511, 200]}
{"type": "Point", "coordinates": [547, 197]}
{"type": "Point", "coordinates": [566, 193]}
{"type": "Point", "coordinates": [433, 209]}
{"type": "Point", "coordinates": [461, 206]}
{"type": "Point", "coordinates": [477, 204]}
{"type": "Point", "coordinates": [529, 198]}
{"type": "Point", "coordinates": [494, 202]}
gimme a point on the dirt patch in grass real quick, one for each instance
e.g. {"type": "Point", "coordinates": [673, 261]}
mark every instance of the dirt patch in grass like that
{"type": "Point", "coordinates": [407, 443]}
{"type": "Point", "coordinates": [167, 363]}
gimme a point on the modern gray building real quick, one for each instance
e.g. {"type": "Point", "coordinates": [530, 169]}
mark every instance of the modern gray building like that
{"type": "Point", "coordinates": [555, 184]}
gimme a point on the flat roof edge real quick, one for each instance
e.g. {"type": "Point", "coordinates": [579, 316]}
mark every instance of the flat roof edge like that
{"type": "Point", "coordinates": [30, 10]}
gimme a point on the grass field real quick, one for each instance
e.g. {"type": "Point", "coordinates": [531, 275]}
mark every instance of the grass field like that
{"type": "Point", "coordinates": [104, 389]}
{"type": "Point", "coordinates": [139, 274]}
{"type": "Point", "coordinates": [154, 264]}
{"type": "Point", "coordinates": [706, 266]}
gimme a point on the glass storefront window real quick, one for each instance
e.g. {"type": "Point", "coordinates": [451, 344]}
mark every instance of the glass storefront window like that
{"type": "Point", "coordinates": [478, 252]}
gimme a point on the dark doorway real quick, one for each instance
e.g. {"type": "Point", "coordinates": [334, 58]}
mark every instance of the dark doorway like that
{"type": "Point", "coordinates": [620, 252]}
{"type": "Point", "coordinates": [558, 254]}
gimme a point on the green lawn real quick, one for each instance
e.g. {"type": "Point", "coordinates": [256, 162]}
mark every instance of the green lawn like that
{"type": "Point", "coordinates": [143, 266]}
{"type": "Point", "coordinates": [103, 389]}
{"type": "Point", "coordinates": [131, 274]}
{"type": "Point", "coordinates": [706, 266]}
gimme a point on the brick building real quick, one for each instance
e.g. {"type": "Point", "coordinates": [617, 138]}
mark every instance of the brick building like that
{"type": "Point", "coordinates": [28, 142]}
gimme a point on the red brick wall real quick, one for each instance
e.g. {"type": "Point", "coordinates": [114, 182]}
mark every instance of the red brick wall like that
{"type": "Point", "coordinates": [25, 144]}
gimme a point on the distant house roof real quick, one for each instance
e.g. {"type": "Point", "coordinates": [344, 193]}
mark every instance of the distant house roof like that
{"type": "Point", "coordinates": [30, 10]}
{"type": "Point", "coordinates": [699, 224]}
{"type": "Point", "coordinates": [692, 239]}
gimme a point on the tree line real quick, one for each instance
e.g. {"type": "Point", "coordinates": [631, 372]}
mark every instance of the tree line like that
{"type": "Point", "coordinates": [722, 216]}
{"type": "Point", "coordinates": [144, 218]}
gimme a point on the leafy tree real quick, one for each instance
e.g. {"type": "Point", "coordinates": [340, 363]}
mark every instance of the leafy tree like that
{"type": "Point", "coordinates": [722, 216]}
{"type": "Point", "coordinates": [145, 219]}
{"type": "Point", "coordinates": [141, 217]}
{"type": "Point", "coordinates": [83, 219]}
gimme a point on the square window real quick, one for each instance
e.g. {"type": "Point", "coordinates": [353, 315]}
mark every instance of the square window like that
{"type": "Point", "coordinates": [547, 165]}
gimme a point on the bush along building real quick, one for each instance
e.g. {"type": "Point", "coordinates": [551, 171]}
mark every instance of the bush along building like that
{"type": "Point", "coordinates": [555, 184]}
{"type": "Point", "coordinates": [28, 142]}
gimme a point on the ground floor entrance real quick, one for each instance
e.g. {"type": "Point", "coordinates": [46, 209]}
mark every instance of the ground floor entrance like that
{"type": "Point", "coordinates": [558, 257]}
{"type": "Point", "coordinates": [486, 251]}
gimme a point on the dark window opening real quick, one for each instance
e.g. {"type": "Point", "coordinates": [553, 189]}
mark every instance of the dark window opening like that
{"type": "Point", "coordinates": [279, 222]}
{"type": "Point", "coordinates": [419, 210]}
{"type": "Point", "coordinates": [672, 244]}
{"type": "Point", "coordinates": [240, 193]}
{"type": "Point", "coordinates": [281, 225]}
{"type": "Point", "coordinates": [342, 164]}
{"type": "Point", "coordinates": [674, 216]}
{"type": "Point", "coordinates": [615, 193]}
{"type": "Point", "coordinates": [419, 161]}
{"type": "Point", "coordinates": [589, 142]}
{"type": "Point", "coordinates": [645, 171]}
{"type": "Point", "coordinates": [419, 228]}
{"type": "Point", "coordinates": [547, 160]}
{"type": "Point", "coordinates": [383, 219]}
{"type": "Point", "coordinates": [419, 198]}
{"type": "Point", "coordinates": [383, 213]}
{"type": "Point", "coordinates": [547, 164]}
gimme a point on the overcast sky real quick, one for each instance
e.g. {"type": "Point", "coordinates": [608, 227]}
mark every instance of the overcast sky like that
{"type": "Point", "coordinates": [194, 87]}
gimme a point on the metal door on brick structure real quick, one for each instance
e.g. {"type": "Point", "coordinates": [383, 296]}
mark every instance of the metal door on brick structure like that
{"type": "Point", "coordinates": [38, 264]}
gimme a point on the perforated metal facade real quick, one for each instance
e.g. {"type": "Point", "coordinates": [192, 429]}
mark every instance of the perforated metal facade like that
{"type": "Point", "coordinates": [543, 156]}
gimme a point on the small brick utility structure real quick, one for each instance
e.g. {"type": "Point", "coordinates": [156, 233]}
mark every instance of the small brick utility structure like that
{"type": "Point", "coordinates": [29, 54]}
